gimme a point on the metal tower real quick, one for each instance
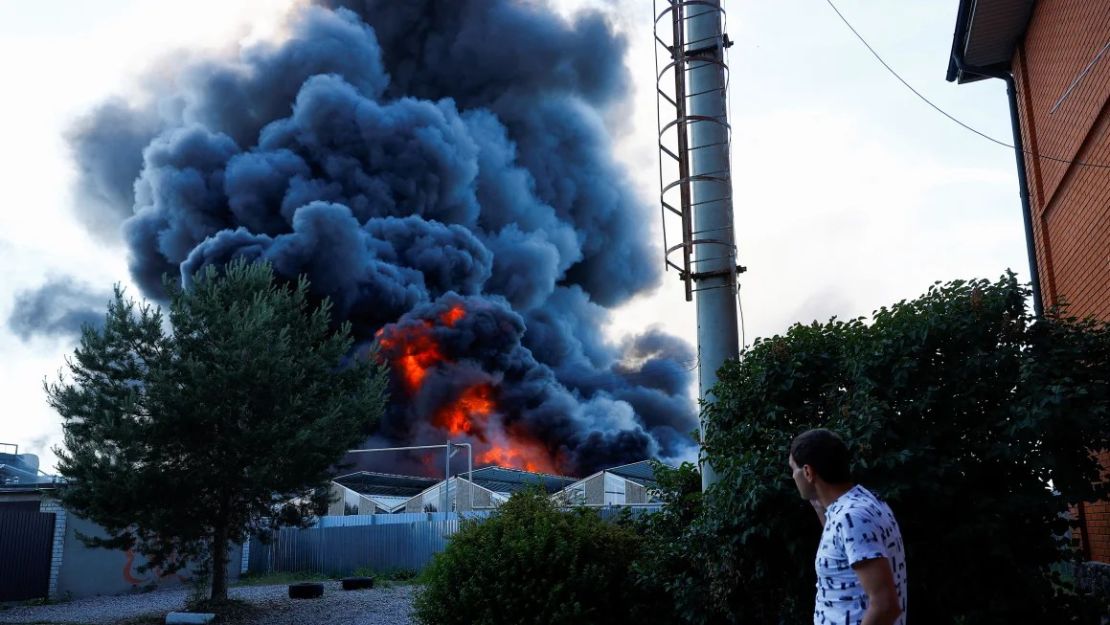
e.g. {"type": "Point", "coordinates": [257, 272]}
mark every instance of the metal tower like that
{"type": "Point", "coordinates": [694, 175]}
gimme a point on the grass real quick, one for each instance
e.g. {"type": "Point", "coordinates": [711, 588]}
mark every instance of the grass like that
{"type": "Point", "coordinates": [273, 579]}
{"type": "Point", "coordinates": [391, 577]}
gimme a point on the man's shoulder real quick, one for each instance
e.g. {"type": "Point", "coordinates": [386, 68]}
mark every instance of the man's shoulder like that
{"type": "Point", "coordinates": [859, 503]}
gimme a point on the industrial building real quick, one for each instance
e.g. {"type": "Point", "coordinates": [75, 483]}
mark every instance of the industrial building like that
{"type": "Point", "coordinates": [627, 484]}
{"type": "Point", "coordinates": [486, 488]}
{"type": "Point", "coordinates": [367, 492]}
{"type": "Point", "coordinates": [18, 469]}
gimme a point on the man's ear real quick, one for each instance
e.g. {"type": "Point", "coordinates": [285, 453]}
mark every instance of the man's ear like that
{"type": "Point", "coordinates": [807, 471]}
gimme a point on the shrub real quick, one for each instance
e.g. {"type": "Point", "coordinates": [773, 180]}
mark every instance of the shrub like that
{"type": "Point", "coordinates": [663, 569]}
{"type": "Point", "coordinates": [973, 422]}
{"type": "Point", "coordinates": [531, 563]}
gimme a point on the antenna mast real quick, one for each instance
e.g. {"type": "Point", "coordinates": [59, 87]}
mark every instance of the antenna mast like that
{"type": "Point", "coordinates": [695, 177]}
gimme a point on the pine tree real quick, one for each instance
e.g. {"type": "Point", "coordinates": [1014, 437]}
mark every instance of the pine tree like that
{"type": "Point", "coordinates": [182, 441]}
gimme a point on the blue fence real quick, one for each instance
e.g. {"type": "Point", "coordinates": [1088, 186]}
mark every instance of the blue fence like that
{"type": "Point", "coordinates": [340, 545]}
{"type": "Point", "coordinates": [342, 550]}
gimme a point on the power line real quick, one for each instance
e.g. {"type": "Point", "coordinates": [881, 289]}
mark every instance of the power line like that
{"type": "Point", "coordinates": [945, 113]}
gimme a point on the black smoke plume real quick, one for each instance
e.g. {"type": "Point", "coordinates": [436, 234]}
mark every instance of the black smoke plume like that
{"type": "Point", "coordinates": [413, 159]}
{"type": "Point", "coordinates": [58, 308]}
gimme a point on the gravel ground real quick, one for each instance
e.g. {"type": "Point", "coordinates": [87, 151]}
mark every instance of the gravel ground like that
{"type": "Point", "coordinates": [379, 606]}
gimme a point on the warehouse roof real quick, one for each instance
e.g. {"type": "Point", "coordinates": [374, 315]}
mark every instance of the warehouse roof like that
{"type": "Point", "coordinates": [385, 484]}
{"type": "Point", "coordinates": [641, 472]}
{"type": "Point", "coordinates": [505, 480]}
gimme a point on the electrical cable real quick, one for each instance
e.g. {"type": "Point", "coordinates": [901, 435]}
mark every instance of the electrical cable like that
{"type": "Point", "coordinates": [945, 113]}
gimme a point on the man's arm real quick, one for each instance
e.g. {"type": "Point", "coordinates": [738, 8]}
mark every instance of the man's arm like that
{"type": "Point", "coordinates": [877, 579]}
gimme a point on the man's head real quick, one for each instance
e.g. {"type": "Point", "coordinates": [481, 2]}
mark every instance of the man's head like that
{"type": "Point", "coordinates": [818, 455]}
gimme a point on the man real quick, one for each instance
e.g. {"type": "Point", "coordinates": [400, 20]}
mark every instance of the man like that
{"type": "Point", "coordinates": [861, 565]}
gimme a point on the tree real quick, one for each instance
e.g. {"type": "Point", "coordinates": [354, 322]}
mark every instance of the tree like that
{"type": "Point", "coordinates": [974, 422]}
{"type": "Point", "coordinates": [182, 442]}
{"type": "Point", "coordinates": [663, 570]}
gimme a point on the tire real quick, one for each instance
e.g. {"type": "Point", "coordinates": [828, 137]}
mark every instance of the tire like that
{"type": "Point", "coordinates": [357, 583]}
{"type": "Point", "coordinates": [306, 590]}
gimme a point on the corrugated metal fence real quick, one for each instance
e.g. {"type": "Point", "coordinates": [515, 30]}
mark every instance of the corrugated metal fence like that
{"type": "Point", "coordinates": [26, 540]}
{"type": "Point", "coordinates": [342, 550]}
{"type": "Point", "coordinates": [383, 542]}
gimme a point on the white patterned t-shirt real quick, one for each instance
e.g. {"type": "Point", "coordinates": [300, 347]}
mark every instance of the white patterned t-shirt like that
{"type": "Point", "coordinates": [858, 526]}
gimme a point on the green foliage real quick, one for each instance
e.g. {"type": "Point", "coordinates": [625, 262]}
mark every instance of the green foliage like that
{"type": "Point", "coordinates": [387, 575]}
{"type": "Point", "coordinates": [180, 442]}
{"type": "Point", "coordinates": [959, 411]}
{"type": "Point", "coordinates": [281, 578]}
{"type": "Point", "coordinates": [532, 563]}
{"type": "Point", "coordinates": [663, 569]}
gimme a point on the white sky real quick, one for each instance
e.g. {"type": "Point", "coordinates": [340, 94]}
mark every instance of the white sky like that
{"type": "Point", "coordinates": [850, 193]}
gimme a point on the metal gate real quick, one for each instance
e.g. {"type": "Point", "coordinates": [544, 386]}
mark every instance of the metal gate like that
{"type": "Point", "coordinates": [26, 545]}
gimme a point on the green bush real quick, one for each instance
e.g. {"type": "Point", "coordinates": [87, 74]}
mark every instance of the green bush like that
{"type": "Point", "coordinates": [973, 422]}
{"type": "Point", "coordinates": [663, 571]}
{"type": "Point", "coordinates": [532, 563]}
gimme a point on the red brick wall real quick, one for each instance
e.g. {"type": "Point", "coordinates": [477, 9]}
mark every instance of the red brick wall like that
{"type": "Point", "coordinates": [1070, 203]}
{"type": "Point", "coordinates": [1098, 523]}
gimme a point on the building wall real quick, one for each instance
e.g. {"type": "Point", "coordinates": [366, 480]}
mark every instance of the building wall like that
{"type": "Point", "coordinates": [57, 554]}
{"type": "Point", "coordinates": [603, 489]}
{"type": "Point", "coordinates": [636, 493]}
{"type": "Point", "coordinates": [1097, 516]}
{"type": "Point", "coordinates": [595, 490]}
{"type": "Point", "coordinates": [80, 571]}
{"type": "Point", "coordinates": [338, 498]}
{"type": "Point", "coordinates": [483, 499]}
{"type": "Point", "coordinates": [1070, 203]}
{"type": "Point", "coordinates": [615, 491]}
{"type": "Point", "coordinates": [431, 500]}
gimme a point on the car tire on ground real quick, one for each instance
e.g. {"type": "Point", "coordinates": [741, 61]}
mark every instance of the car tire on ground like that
{"type": "Point", "coordinates": [357, 583]}
{"type": "Point", "coordinates": [306, 590]}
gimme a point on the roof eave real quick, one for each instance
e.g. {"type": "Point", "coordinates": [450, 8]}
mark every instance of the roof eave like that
{"type": "Point", "coordinates": [1007, 37]}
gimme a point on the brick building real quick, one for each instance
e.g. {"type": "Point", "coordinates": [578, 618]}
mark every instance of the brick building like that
{"type": "Point", "coordinates": [1055, 56]}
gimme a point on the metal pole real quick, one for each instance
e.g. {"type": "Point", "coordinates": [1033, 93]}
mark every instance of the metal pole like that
{"type": "Point", "coordinates": [714, 267]}
{"type": "Point", "coordinates": [447, 447]}
{"type": "Point", "coordinates": [469, 475]}
{"type": "Point", "coordinates": [1023, 194]}
{"type": "Point", "coordinates": [447, 480]}
{"type": "Point", "coordinates": [366, 451]}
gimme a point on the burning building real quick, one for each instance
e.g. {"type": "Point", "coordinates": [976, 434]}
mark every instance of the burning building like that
{"type": "Point", "coordinates": [459, 203]}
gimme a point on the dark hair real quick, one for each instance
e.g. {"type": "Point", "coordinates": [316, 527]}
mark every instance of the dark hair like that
{"type": "Point", "coordinates": [825, 452]}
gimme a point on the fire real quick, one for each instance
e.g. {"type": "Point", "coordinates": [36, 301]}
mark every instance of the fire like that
{"type": "Point", "coordinates": [413, 351]}
{"type": "Point", "coordinates": [451, 317]}
{"type": "Point", "coordinates": [519, 454]}
{"type": "Point", "coordinates": [459, 417]}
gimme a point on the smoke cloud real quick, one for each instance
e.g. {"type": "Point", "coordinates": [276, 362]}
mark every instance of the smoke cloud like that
{"type": "Point", "coordinates": [58, 308]}
{"type": "Point", "coordinates": [444, 173]}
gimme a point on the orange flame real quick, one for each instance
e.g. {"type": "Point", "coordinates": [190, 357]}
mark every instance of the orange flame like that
{"type": "Point", "coordinates": [451, 317]}
{"type": "Point", "coordinates": [522, 454]}
{"type": "Point", "coordinates": [413, 351]}
{"type": "Point", "coordinates": [459, 417]}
